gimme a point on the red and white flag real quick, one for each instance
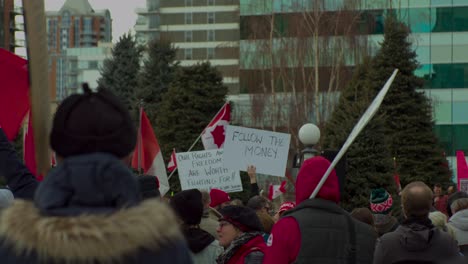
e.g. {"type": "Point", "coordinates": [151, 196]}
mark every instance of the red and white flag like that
{"type": "Point", "coordinates": [462, 170]}
{"type": "Point", "coordinates": [276, 190]}
{"type": "Point", "coordinates": [151, 160]}
{"type": "Point", "coordinates": [172, 165]}
{"type": "Point", "coordinates": [214, 134]}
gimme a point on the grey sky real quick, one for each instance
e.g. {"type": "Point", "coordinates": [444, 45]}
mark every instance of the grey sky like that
{"type": "Point", "coordinates": [122, 12]}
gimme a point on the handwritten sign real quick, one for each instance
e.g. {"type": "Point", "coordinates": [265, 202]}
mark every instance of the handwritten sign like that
{"type": "Point", "coordinates": [464, 185]}
{"type": "Point", "coordinates": [266, 150]}
{"type": "Point", "coordinates": [205, 170]}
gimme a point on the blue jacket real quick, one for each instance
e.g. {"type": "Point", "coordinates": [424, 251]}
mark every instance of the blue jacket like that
{"type": "Point", "coordinates": [87, 210]}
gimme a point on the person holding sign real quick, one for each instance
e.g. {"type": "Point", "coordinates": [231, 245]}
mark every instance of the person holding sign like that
{"type": "Point", "coordinates": [318, 230]}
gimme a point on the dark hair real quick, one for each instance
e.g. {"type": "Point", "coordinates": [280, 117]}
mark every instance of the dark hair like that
{"type": "Point", "coordinates": [416, 199]}
{"type": "Point", "coordinates": [257, 202]}
{"type": "Point", "coordinates": [364, 215]}
{"type": "Point", "coordinates": [438, 185]}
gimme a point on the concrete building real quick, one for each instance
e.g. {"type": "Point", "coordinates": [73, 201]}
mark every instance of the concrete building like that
{"type": "Point", "coordinates": [75, 25]}
{"type": "Point", "coordinates": [83, 64]}
{"type": "Point", "coordinates": [202, 30]}
{"type": "Point", "coordinates": [10, 26]}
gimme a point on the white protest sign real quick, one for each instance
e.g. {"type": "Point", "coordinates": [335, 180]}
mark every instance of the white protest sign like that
{"type": "Point", "coordinates": [267, 151]}
{"type": "Point", "coordinates": [366, 117]}
{"type": "Point", "coordinates": [204, 170]}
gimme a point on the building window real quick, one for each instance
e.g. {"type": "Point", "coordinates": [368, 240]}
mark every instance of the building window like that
{"type": "Point", "coordinates": [211, 2]}
{"type": "Point", "coordinates": [188, 54]}
{"type": "Point", "coordinates": [210, 53]}
{"type": "Point", "coordinates": [93, 65]}
{"type": "Point", "coordinates": [188, 2]}
{"type": "Point", "coordinates": [211, 18]}
{"type": "Point", "coordinates": [210, 35]}
{"type": "Point", "coordinates": [188, 36]}
{"type": "Point", "coordinates": [188, 18]}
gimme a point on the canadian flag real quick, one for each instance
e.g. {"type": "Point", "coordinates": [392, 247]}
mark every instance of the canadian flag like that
{"type": "Point", "coordinates": [462, 169]}
{"type": "Point", "coordinates": [214, 134]}
{"type": "Point", "coordinates": [151, 160]}
{"type": "Point", "coordinates": [276, 190]}
{"type": "Point", "coordinates": [172, 165]}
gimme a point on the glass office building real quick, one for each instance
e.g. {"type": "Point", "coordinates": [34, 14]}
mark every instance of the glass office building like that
{"type": "Point", "coordinates": [439, 37]}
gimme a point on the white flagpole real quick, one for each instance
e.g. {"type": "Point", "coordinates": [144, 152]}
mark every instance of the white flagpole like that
{"type": "Point", "coordinates": [140, 139]}
{"type": "Point", "coordinates": [199, 136]}
{"type": "Point", "coordinates": [366, 117]}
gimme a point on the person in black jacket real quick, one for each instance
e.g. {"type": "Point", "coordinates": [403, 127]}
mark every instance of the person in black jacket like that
{"type": "Point", "coordinates": [88, 209]}
{"type": "Point", "coordinates": [416, 239]}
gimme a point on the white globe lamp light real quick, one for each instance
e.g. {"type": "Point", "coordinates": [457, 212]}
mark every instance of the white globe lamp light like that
{"type": "Point", "coordinates": [309, 134]}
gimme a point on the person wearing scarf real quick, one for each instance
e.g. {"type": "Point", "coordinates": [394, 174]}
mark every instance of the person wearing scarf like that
{"type": "Point", "coordinates": [240, 233]}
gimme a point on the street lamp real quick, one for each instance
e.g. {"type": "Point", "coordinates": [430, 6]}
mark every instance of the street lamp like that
{"type": "Point", "coordinates": [309, 135]}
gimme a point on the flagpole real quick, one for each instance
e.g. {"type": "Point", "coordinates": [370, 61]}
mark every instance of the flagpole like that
{"type": "Point", "coordinates": [140, 140]}
{"type": "Point", "coordinates": [199, 136]}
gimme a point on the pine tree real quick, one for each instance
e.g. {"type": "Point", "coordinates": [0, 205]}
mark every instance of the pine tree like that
{"type": "Point", "coordinates": [156, 76]}
{"type": "Point", "coordinates": [408, 113]}
{"type": "Point", "coordinates": [119, 73]}
{"type": "Point", "coordinates": [369, 163]}
{"type": "Point", "coordinates": [193, 98]}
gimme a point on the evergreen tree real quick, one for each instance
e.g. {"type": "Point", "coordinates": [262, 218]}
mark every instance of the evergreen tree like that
{"type": "Point", "coordinates": [120, 73]}
{"type": "Point", "coordinates": [156, 76]}
{"type": "Point", "coordinates": [193, 98]}
{"type": "Point", "coordinates": [369, 163]}
{"type": "Point", "coordinates": [408, 113]}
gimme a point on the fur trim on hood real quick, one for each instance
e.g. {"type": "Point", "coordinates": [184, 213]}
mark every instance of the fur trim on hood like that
{"type": "Point", "coordinates": [89, 238]}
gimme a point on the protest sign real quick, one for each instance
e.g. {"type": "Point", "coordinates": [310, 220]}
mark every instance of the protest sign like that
{"type": "Point", "coordinates": [267, 151]}
{"type": "Point", "coordinates": [464, 185]}
{"type": "Point", "coordinates": [205, 170]}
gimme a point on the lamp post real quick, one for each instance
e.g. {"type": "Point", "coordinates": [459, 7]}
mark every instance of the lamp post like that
{"type": "Point", "coordinates": [309, 135]}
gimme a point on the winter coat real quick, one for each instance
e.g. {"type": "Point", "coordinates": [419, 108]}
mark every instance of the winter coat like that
{"type": "Point", "coordinates": [416, 241]}
{"type": "Point", "coordinates": [20, 180]}
{"type": "Point", "coordinates": [204, 247]}
{"type": "Point", "coordinates": [459, 223]}
{"type": "Point", "coordinates": [318, 230]}
{"type": "Point", "coordinates": [251, 252]}
{"type": "Point", "coordinates": [88, 210]}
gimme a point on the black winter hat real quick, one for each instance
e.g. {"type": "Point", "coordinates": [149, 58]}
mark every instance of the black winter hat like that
{"type": "Point", "coordinates": [242, 217]}
{"type": "Point", "coordinates": [149, 186]}
{"type": "Point", "coordinates": [189, 206]}
{"type": "Point", "coordinates": [92, 122]}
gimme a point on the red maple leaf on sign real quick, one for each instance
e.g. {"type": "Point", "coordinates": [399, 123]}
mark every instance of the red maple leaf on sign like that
{"type": "Point", "coordinates": [218, 135]}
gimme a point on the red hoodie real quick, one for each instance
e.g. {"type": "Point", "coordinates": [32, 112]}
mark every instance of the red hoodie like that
{"type": "Point", "coordinates": [285, 239]}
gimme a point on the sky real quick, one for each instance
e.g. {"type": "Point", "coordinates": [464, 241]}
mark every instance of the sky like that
{"type": "Point", "coordinates": [122, 12]}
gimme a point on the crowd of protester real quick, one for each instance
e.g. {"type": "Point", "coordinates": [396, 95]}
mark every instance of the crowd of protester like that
{"type": "Point", "coordinates": [91, 208]}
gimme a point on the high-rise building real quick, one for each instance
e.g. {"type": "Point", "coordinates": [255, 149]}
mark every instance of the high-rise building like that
{"type": "Point", "coordinates": [75, 25]}
{"type": "Point", "coordinates": [202, 30]}
{"type": "Point", "coordinates": [9, 26]}
{"type": "Point", "coordinates": [439, 35]}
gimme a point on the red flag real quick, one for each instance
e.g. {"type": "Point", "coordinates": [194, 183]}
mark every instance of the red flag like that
{"type": "Point", "coordinates": [396, 177]}
{"type": "Point", "coordinates": [14, 90]}
{"type": "Point", "coordinates": [462, 168]}
{"type": "Point", "coordinates": [151, 160]}
{"type": "Point", "coordinates": [276, 190]}
{"type": "Point", "coordinates": [172, 165]}
{"type": "Point", "coordinates": [214, 133]}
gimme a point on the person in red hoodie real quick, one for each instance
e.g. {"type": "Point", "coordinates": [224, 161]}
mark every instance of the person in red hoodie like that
{"type": "Point", "coordinates": [318, 230]}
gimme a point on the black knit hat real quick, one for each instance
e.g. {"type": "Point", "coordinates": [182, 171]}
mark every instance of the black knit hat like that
{"type": "Point", "coordinates": [149, 186]}
{"type": "Point", "coordinates": [241, 217]}
{"type": "Point", "coordinates": [188, 205]}
{"type": "Point", "coordinates": [92, 122]}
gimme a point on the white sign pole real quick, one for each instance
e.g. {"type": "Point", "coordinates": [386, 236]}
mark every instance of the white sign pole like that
{"type": "Point", "coordinates": [366, 117]}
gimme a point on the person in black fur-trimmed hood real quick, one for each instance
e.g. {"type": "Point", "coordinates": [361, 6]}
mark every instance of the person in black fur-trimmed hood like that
{"type": "Point", "coordinates": [88, 209]}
